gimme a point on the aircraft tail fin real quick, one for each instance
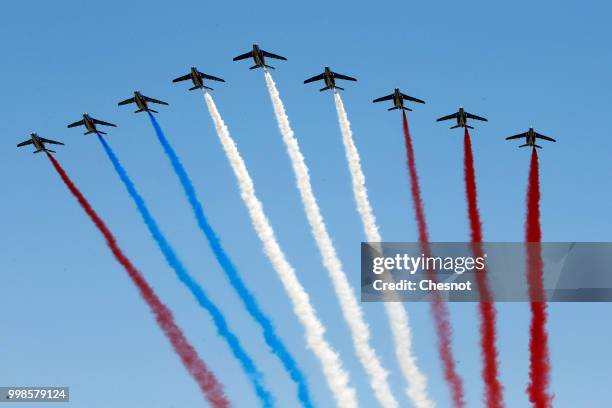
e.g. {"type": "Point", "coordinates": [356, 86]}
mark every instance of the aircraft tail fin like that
{"type": "Point", "coordinates": [100, 132]}
{"type": "Point", "coordinates": [403, 108]}
{"type": "Point", "coordinates": [534, 145]}
{"type": "Point", "coordinates": [538, 146]}
{"type": "Point", "coordinates": [44, 150]}
{"type": "Point", "coordinates": [324, 89]}
{"type": "Point", "coordinates": [146, 110]}
{"type": "Point", "coordinates": [469, 127]}
{"type": "Point", "coordinates": [455, 127]}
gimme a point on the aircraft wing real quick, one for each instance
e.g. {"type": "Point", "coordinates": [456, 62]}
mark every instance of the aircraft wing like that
{"type": "Point", "coordinates": [517, 136]}
{"type": "Point", "coordinates": [447, 117]}
{"type": "Point", "coordinates": [383, 98]}
{"type": "Point", "coordinates": [550, 139]}
{"type": "Point", "coordinates": [42, 139]}
{"type": "Point", "coordinates": [210, 77]}
{"type": "Point", "coordinates": [127, 101]}
{"type": "Point", "coordinates": [315, 78]}
{"type": "Point", "coordinates": [340, 76]}
{"type": "Point", "coordinates": [469, 115]}
{"type": "Point", "coordinates": [27, 142]}
{"type": "Point", "coordinates": [243, 56]}
{"type": "Point", "coordinates": [270, 55]}
{"type": "Point", "coordinates": [155, 100]}
{"type": "Point", "coordinates": [79, 123]}
{"type": "Point", "coordinates": [101, 122]}
{"type": "Point", "coordinates": [182, 78]}
{"type": "Point", "coordinates": [410, 98]}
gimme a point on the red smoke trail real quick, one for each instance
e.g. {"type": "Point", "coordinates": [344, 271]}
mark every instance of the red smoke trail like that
{"type": "Point", "coordinates": [210, 386]}
{"type": "Point", "coordinates": [490, 370]}
{"type": "Point", "coordinates": [439, 309]}
{"type": "Point", "coordinates": [539, 364]}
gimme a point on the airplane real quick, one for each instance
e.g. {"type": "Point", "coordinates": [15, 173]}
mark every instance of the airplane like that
{"type": "Point", "coordinates": [197, 78]}
{"type": "Point", "coordinates": [530, 138]}
{"type": "Point", "coordinates": [90, 124]}
{"type": "Point", "coordinates": [398, 100]}
{"type": "Point", "coordinates": [462, 116]}
{"type": "Point", "coordinates": [330, 79]}
{"type": "Point", "coordinates": [39, 143]}
{"type": "Point", "coordinates": [259, 56]}
{"type": "Point", "coordinates": [141, 102]}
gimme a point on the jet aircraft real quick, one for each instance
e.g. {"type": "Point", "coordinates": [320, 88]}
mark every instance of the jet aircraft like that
{"type": "Point", "coordinates": [197, 78]}
{"type": "Point", "coordinates": [330, 79]}
{"type": "Point", "coordinates": [259, 56]}
{"type": "Point", "coordinates": [530, 138]}
{"type": "Point", "coordinates": [462, 116]}
{"type": "Point", "coordinates": [39, 143]}
{"type": "Point", "coordinates": [90, 124]}
{"type": "Point", "coordinates": [142, 102]}
{"type": "Point", "coordinates": [398, 100]}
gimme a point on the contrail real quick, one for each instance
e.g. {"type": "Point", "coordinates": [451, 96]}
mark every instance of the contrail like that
{"type": "Point", "coordinates": [490, 372]}
{"type": "Point", "coordinates": [202, 298]}
{"type": "Point", "coordinates": [438, 307]}
{"type": "Point", "coordinates": [539, 364]}
{"type": "Point", "coordinates": [336, 377]}
{"type": "Point", "coordinates": [208, 383]}
{"type": "Point", "coordinates": [272, 339]}
{"type": "Point", "coordinates": [345, 395]}
{"type": "Point", "coordinates": [397, 315]}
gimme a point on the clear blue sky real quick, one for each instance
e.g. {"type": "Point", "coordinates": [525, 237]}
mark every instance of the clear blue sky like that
{"type": "Point", "coordinates": [71, 316]}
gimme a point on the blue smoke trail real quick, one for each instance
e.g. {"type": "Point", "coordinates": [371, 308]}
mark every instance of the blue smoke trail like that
{"type": "Point", "coordinates": [272, 339]}
{"type": "Point", "coordinates": [221, 324]}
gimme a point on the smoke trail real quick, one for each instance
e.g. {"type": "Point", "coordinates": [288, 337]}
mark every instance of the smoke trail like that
{"type": "Point", "coordinates": [302, 307]}
{"type": "Point", "coordinates": [269, 332]}
{"type": "Point", "coordinates": [196, 290]}
{"type": "Point", "coordinates": [397, 315]}
{"type": "Point", "coordinates": [208, 383]}
{"type": "Point", "coordinates": [345, 395]}
{"type": "Point", "coordinates": [439, 309]}
{"type": "Point", "coordinates": [539, 367]}
{"type": "Point", "coordinates": [490, 371]}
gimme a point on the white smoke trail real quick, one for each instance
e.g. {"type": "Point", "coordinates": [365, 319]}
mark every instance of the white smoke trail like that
{"type": "Point", "coordinates": [398, 317]}
{"type": "Point", "coordinates": [337, 378]}
{"type": "Point", "coordinates": [348, 302]}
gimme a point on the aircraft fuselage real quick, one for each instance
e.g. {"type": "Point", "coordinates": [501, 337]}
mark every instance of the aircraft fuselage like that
{"type": "Point", "coordinates": [89, 124]}
{"type": "Point", "coordinates": [329, 78]}
{"type": "Point", "coordinates": [196, 78]}
{"type": "Point", "coordinates": [461, 118]}
{"type": "Point", "coordinates": [398, 99]}
{"type": "Point", "coordinates": [38, 144]}
{"type": "Point", "coordinates": [140, 101]}
{"type": "Point", "coordinates": [531, 137]}
{"type": "Point", "coordinates": [258, 56]}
